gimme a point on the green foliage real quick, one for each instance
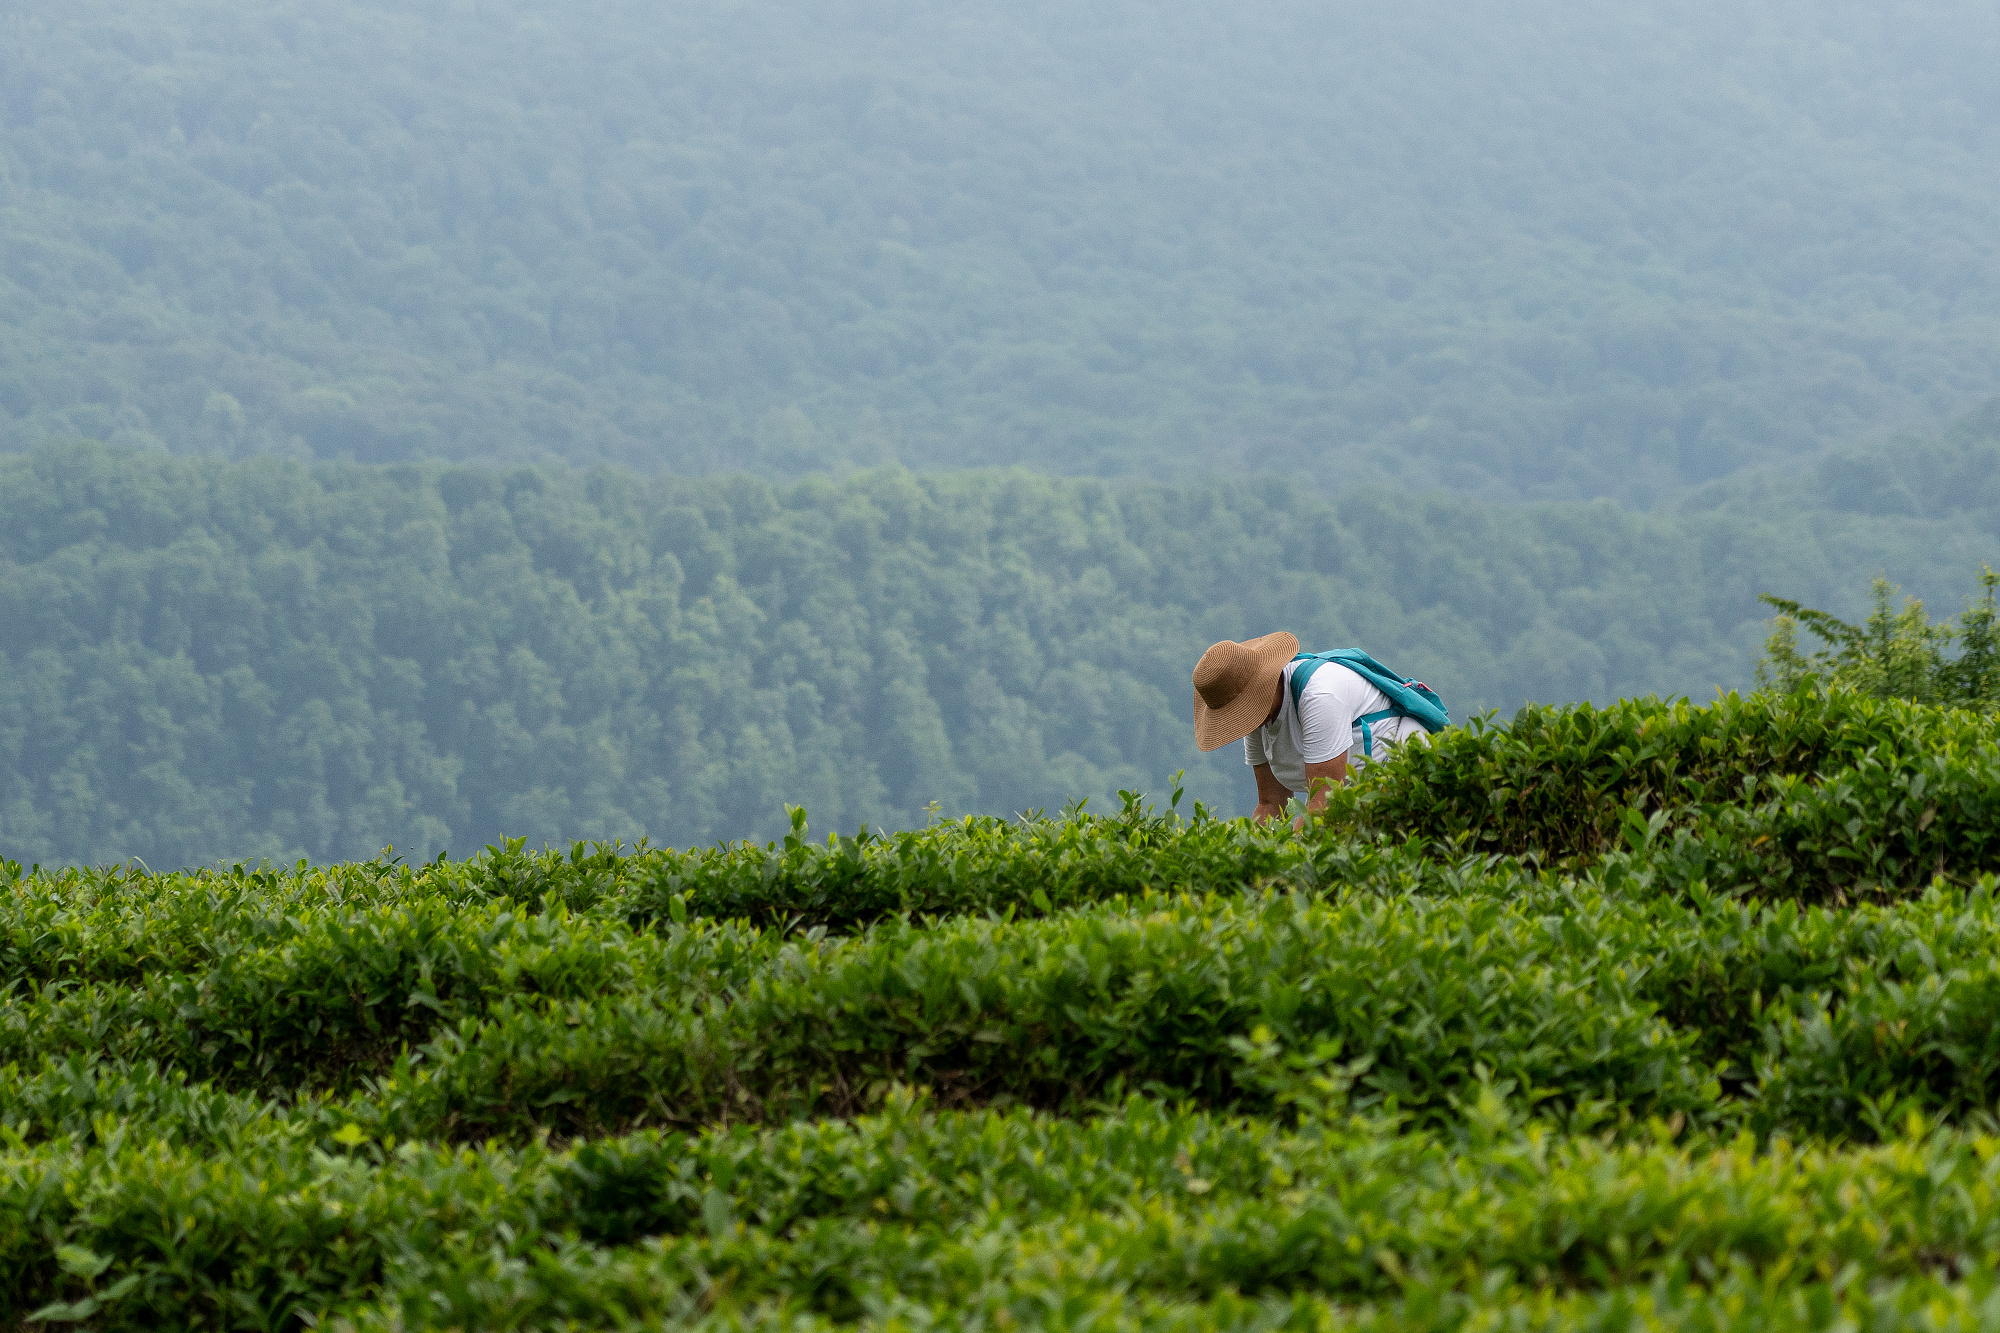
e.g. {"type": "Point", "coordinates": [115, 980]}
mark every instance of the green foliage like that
{"type": "Point", "coordinates": [975, 865]}
{"type": "Point", "coordinates": [1722, 1051]}
{"type": "Point", "coordinates": [915, 1209]}
{"type": "Point", "coordinates": [815, 235]}
{"type": "Point", "coordinates": [1896, 654]}
{"type": "Point", "coordinates": [203, 661]}
{"type": "Point", "coordinates": [1802, 796]}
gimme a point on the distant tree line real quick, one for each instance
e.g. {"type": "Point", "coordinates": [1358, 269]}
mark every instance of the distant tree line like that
{"type": "Point", "coordinates": [202, 659]}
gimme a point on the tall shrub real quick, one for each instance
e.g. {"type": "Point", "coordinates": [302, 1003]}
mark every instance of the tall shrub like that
{"type": "Point", "coordinates": [1894, 654]}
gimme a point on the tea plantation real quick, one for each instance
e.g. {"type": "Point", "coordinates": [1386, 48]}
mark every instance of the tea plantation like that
{"type": "Point", "coordinates": [1653, 1016]}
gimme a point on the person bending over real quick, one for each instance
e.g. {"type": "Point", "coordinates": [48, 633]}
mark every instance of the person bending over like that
{"type": "Point", "coordinates": [1306, 720]}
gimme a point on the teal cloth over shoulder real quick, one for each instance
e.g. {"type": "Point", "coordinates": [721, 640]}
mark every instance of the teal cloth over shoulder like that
{"type": "Point", "coordinates": [1407, 698]}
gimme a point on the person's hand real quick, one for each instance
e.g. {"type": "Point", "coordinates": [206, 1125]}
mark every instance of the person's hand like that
{"type": "Point", "coordinates": [1267, 811]}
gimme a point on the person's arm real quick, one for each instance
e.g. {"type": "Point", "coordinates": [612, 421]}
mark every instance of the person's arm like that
{"type": "Point", "coordinates": [1320, 779]}
{"type": "Point", "coordinates": [1271, 794]}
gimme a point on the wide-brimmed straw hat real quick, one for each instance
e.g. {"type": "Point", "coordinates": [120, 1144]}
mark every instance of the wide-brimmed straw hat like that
{"type": "Point", "coordinates": [1234, 684]}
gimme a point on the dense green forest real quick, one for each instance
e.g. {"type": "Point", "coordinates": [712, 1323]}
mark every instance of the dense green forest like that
{"type": "Point", "coordinates": [1554, 249]}
{"type": "Point", "coordinates": [204, 659]}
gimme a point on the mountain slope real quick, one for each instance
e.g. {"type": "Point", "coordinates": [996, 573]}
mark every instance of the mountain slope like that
{"type": "Point", "coordinates": [1557, 249]}
{"type": "Point", "coordinates": [202, 659]}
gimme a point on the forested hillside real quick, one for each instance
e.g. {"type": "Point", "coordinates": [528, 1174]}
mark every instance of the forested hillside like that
{"type": "Point", "coordinates": [1558, 249]}
{"type": "Point", "coordinates": [203, 659]}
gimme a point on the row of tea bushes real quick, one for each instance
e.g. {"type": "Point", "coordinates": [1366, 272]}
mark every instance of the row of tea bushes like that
{"type": "Point", "coordinates": [1813, 797]}
{"type": "Point", "coordinates": [1584, 996]}
{"type": "Point", "coordinates": [1009, 1214]}
{"type": "Point", "coordinates": [1560, 782]}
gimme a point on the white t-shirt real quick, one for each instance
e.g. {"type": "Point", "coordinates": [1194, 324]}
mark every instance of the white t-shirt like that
{"type": "Point", "coordinates": [1323, 725]}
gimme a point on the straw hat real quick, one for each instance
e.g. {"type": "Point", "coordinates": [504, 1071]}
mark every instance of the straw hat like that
{"type": "Point", "coordinates": [1234, 684]}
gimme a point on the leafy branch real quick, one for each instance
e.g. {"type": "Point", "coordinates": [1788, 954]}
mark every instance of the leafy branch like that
{"type": "Point", "coordinates": [1894, 654]}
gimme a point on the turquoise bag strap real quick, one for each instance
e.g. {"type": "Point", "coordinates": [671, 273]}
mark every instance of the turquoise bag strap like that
{"type": "Point", "coordinates": [1367, 721]}
{"type": "Point", "coordinates": [1306, 664]}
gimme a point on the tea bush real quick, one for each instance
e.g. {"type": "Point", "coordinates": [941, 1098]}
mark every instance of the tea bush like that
{"type": "Point", "coordinates": [1653, 1013]}
{"type": "Point", "coordinates": [1560, 783]}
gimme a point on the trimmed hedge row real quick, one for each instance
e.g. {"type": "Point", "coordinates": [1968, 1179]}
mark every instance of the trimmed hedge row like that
{"type": "Point", "coordinates": [1558, 783]}
{"type": "Point", "coordinates": [995, 1213]}
{"type": "Point", "coordinates": [1586, 997]}
{"type": "Point", "coordinates": [1818, 798]}
{"type": "Point", "coordinates": [1154, 993]}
